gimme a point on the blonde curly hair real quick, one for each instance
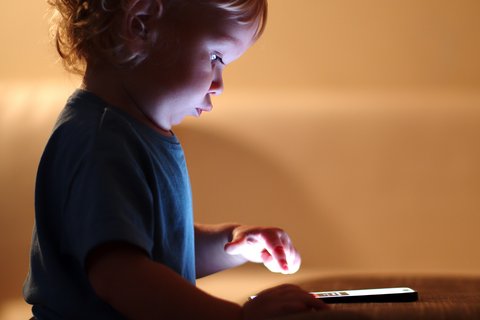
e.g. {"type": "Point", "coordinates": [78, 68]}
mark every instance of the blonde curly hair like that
{"type": "Point", "coordinates": [88, 31]}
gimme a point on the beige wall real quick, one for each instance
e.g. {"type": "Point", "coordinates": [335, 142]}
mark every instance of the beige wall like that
{"type": "Point", "coordinates": [376, 43]}
{"type": "Point", "coordinates": [311, 43]}
{"type": "Point", "coordinates": [354, 124]}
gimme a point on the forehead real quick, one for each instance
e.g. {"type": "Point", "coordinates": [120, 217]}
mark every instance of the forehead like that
{"type": "Point", "coordinates": [236, 38]}
{"type": "Point", "coordinates": [233, 32]}
{"type": "Point", "coordinates": [222, 34]}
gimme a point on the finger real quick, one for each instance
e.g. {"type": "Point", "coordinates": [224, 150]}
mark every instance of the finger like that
{"type": "Point", "coordinates": [293, 296]}
{"type": "Point", "coordinates": [293, 258]}
{"type": "Point", "coordinates": [275, 261]}
{"type": "Point", "coordinates": [270, 262]}
{"type": "Point", "coordinates": [295, 265]}
{"type": "Point", "coordinates": [276, 248]}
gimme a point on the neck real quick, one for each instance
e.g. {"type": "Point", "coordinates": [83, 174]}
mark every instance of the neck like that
{"type": "Point", "coordinates": [106, 83]}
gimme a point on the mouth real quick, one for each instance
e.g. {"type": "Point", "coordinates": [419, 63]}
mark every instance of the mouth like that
{"type": "Point", "coordinates": [207, 109]}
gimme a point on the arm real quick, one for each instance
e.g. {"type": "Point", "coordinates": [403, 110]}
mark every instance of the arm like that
{"type": "Point", "coordinates": [223, 246]}
{"type": "Point", "coordinates": [123, 276]}
{"type": "Point", "coordinates": [210, 255]}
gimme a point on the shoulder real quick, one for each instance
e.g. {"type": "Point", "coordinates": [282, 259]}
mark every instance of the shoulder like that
{"type": "Point", "coordinates": [87, 123]}
{"type": "Point", "coordinates": [89, 129]}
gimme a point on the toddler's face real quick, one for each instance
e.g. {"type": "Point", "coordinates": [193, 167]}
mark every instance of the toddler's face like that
{"type": "Point", "coordinates": [167, 92]}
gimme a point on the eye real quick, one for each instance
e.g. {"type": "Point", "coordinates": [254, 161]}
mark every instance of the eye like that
{"type": "Point", "coordinates": [215, 57]}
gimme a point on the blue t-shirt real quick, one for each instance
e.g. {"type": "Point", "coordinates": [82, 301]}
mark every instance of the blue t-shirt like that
{"type": "Point", "coordinates": [104, 176]}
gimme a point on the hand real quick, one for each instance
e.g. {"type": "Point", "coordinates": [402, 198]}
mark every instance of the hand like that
{"type": "Point", "coordinates": [272, 246]}
{"type": "Point", "coordinates": [281, 301]}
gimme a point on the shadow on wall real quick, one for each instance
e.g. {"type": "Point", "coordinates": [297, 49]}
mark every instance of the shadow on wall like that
{"type": "Point", "coordinates": [232, 182]}
{"type": "Point", "coordinates": [369, 185]}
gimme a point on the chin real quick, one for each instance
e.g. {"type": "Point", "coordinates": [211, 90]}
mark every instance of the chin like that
{"type": "Point", "coordinates": [178, 121]}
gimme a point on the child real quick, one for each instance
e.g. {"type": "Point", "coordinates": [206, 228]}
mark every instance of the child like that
{"type": "Point", "coordinates": [114, 236]}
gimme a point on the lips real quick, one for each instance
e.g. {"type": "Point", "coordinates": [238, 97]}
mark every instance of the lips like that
{"type": "Point", "coordinates": [206, 109]}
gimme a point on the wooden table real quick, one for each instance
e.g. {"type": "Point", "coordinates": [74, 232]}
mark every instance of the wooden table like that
{"type": "Point", "coordinates": [440, 298]}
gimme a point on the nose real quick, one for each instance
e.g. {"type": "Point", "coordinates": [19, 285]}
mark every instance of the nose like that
{"type": "Point", "coordinates": [216, 87]}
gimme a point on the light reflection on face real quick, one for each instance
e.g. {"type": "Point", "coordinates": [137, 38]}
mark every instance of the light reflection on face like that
{"type": "Point", "coordinates": [171, 91]}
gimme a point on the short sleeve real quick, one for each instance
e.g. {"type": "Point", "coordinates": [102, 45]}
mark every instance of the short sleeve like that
{"type": "Point", "coordinates": [109, 197]}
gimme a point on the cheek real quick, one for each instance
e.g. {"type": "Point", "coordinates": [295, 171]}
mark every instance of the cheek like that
{"type": "Point", "coordinates": [201, 79]}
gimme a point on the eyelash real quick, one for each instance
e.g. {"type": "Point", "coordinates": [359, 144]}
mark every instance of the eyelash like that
{"type": "Point", "coordinates": [215, 57]}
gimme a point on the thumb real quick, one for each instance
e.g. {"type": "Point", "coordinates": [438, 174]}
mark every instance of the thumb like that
{"type": "Point", "coordinates": [234, 247]}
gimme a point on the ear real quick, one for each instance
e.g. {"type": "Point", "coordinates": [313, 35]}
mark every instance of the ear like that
{"type": "Point", "coordinates": [139, 21]}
